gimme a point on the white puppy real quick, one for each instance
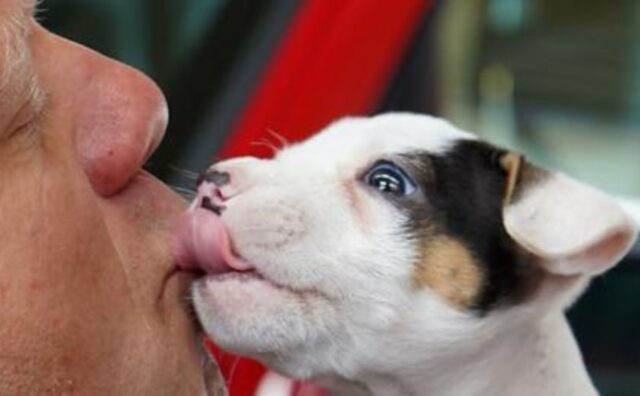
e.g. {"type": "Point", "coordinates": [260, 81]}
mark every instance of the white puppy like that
{"type": "Point", "coordinates": [398, 255]}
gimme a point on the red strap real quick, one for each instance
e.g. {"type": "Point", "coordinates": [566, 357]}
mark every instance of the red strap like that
{"type": "Point", "coordinates": [337, 59]}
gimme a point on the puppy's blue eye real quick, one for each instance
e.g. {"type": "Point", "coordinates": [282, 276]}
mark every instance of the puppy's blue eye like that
{"type": "Point", "coordinates": [388, 178]}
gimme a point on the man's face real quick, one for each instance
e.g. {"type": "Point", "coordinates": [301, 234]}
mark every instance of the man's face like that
{"type": "Point", "coordinates": [89, 302]}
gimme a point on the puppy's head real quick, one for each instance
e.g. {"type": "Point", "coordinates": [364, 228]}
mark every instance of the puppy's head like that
{"type": "Point", "coordinates": [322, 255]}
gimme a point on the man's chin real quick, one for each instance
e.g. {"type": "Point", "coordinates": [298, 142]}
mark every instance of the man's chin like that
{"type": "Point", "coordinates": [246, 314]}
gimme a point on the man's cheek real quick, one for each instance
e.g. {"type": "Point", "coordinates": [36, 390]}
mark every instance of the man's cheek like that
{"type": "Point", "coordinates": [51, 229]}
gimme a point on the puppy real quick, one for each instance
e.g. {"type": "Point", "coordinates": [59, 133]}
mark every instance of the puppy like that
{"type": "Point", "coordinates": [399, 255]}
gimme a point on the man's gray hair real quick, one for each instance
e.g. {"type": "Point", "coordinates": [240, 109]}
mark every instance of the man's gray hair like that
{"type": "Point", "coordinates": [17, 77]}
{"type": "Point", "coordinates": [13, 50]}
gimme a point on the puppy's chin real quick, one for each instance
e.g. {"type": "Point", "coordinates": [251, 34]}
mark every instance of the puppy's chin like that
{"type": "Point", "coordinates": [247, 314]}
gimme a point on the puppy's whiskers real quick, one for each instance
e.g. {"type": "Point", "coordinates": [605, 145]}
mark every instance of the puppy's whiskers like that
{"type": "Point", "coordinates": [284, 143]}
{"type": "Point", "coordinates": [186, 173]}
{"type": "Point", "coordinates": [186, 193]}
{"type": "Point", "coordinates": [180, 180]}
{"type": "Point", "coordinates": [266, 143]}
{"type": "Point", "coordinates": [232, 370]}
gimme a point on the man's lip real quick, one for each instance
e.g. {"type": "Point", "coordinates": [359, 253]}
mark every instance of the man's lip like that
{"type": "Point", "coordinates": [179, 272]}
{"type": "Point", "coordinates": [182, 279]}
{"type": "Point", "coordinates": [151, 198]}
{"type": "Point", "coordinates": [179, 283]}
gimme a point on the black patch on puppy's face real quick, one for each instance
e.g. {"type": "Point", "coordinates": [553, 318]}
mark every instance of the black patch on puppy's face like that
{"type": "Point", "coordinates": [463, 191]}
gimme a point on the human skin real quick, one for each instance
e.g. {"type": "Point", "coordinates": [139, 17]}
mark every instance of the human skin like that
{"type": "Point", "coordinates": [90, 303]}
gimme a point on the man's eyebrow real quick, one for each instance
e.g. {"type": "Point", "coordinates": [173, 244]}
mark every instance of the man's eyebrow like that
{"type": "Point", "coordinates": [24, 8]}
{"type": "Point", "coordinates": [18, 83]}
{"type": "Point", "coordinates": [19, 9]}
{"type": "Point", "coordinates": [30, 7]}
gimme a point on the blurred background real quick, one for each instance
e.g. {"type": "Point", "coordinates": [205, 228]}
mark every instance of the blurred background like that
{"type": "Point", "coordinates": [556, 79]}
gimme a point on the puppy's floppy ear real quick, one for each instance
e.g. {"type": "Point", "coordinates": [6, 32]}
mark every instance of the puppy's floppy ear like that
{"type": "Point", "coordinates": [574, 229]}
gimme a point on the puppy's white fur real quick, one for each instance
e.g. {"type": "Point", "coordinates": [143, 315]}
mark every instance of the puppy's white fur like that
{"type": "Point", "coordinates": [335, 300]}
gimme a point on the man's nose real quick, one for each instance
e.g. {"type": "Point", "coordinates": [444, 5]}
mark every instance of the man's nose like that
{"type": "Point", "coordinates": [117, 115]}
{"type": "Point", "coordinates": [123, 126]}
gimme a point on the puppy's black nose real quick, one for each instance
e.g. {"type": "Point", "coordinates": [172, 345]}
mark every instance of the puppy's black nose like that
{"type": "Point", "coordinates": [206, 203]}
{"type": "Point", "coordinates": [219, 179]}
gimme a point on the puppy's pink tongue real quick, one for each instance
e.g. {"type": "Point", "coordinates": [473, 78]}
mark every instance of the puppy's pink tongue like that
{"type": "Point", "coordinates": [201, 242]}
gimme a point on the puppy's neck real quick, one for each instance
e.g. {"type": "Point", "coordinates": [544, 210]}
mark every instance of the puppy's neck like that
{"type": "Point", "coordinates": [537, 356]}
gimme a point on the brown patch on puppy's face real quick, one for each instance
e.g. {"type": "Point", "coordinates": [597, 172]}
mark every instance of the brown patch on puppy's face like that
{"type": "Point", "coordinates": [455, 218]}
{"type": "Point", "coordinates": [449, 269]}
